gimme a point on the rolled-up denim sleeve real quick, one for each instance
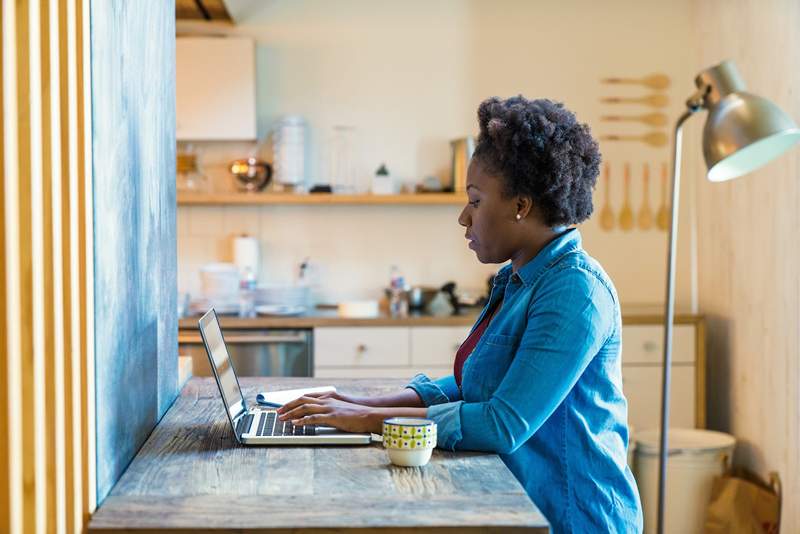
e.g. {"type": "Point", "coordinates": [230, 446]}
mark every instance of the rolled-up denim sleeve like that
{"type": "Point", "coordinates": [439, 391]}
{"type": "Point", "coordinates": [568, 323]}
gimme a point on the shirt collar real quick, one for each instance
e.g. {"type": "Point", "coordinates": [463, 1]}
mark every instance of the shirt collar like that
{"type": "Point", "coordinates": [567, 241]}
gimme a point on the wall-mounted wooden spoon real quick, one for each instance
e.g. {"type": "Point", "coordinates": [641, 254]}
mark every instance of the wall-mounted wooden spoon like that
{"type": "Point", "coordinates": [645, 219]}
{"type": "Point", "coordinates": [653, 81]}
{"type": "Point", "coordinates": [657, 139]}
{"type": "Point", "coordinates": [662, 216]}
{"type": "Point", "coordinates": [607, 218]}
{"type": "Point", "coordinates": [656, 100]}
{"type": "Point", "coordinates": [651, 119]}
{"type": "Point", "coordinates": [626, 213]}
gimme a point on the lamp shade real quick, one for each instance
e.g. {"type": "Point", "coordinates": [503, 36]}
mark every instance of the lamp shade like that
{"type": "Point", "coordinates": [743, 131]}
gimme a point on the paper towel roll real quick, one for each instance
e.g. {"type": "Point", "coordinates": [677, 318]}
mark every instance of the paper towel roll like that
{"type": "Point", "coordinates": [245, 255]}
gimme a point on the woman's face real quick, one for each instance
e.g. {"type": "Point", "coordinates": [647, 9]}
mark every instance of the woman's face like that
{"type": "Point", "coordinates": [489, 217]}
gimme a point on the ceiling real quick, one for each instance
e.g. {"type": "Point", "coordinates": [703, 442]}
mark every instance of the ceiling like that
{"type": "Point", "coordinates": [202, 10]}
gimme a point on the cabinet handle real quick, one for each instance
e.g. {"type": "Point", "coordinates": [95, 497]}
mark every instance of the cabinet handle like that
{"type": "Point", "coordinates": [361, 348]}
{"type": "Point", "coordinates": [650, 346]}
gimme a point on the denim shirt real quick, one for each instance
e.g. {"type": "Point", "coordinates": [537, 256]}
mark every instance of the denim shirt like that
{"type": "Point", "coordinates": [543, 389]}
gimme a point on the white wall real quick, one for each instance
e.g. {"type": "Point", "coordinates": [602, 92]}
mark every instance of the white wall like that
{"type": "Point", "coordinates": [750, 256]}
{"type": "Point", "coordinates": [409, 76]}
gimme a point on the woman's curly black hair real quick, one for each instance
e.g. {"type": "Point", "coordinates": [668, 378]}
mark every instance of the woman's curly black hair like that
{"type": "Point", "coordinates": [541, 151]}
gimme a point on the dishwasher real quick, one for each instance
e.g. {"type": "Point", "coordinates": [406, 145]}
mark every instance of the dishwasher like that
{"type": "Point", "coordinates": [255, 352]}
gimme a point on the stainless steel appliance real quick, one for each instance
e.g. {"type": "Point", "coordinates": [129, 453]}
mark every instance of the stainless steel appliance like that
{"type": "Point", "coordinates": [255, 352]}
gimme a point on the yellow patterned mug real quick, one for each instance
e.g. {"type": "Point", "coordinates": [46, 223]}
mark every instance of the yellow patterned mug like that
{"type": "Point", "coordinates": [409, 441]}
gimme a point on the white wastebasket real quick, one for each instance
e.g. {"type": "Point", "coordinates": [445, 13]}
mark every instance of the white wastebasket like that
{"type": "Point", "coordinates": [695, 458]}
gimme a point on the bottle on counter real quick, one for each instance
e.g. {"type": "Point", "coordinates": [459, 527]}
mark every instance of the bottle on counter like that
{"type": "Point", "coordinates": [398, 303]}
{"type": "Point", "coordinates": [247, 294]}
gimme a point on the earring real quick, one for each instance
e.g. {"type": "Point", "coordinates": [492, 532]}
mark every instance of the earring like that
{"type": "Point", "coordinates": [519, 216]}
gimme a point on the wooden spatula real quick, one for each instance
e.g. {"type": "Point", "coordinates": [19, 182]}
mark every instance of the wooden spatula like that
{"type": "Point", "coordinates": [656, 100]}
{"type": "Point", "coordinates": [626, 213]}
{"type": "Point", "coordinates": [651, 119]}
{"type": "Point", "coordinates": [653, 81]}
{"type": "Point", "coordinates": [662, 216]}
{"type": "Point", "coordinates": [645, 219]}
{"type": "Point", "coordinates": [656, 139]}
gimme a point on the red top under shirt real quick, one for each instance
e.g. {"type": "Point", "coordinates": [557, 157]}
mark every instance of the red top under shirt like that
{"type": "Point", "coordinates": [468, 345]}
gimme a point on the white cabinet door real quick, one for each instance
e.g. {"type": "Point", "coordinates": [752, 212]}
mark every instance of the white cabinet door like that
{"type": "Point", "coordinates": [215, 88]}
{"type": "Point", "coordinates": [436, 345]}
{"type": "Point", "coordinates": [642, 387]}
{"type": "Point", "coordinates": [405, 373]}
{"type": "Point", "coordinates": [644, 343]}
{"type": "Point", "coordinates": [361, 346]}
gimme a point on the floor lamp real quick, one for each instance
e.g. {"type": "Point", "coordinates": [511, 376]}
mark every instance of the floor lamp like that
{"type": "Point", "coordinates": [742, 132]}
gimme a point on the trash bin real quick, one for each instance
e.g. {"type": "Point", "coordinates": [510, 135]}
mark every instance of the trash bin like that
{"type": "Point", "coordinates": [695, 458]}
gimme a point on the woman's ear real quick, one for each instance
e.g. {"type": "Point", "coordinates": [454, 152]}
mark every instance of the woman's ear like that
{"type": "Point", "coordinates": [524, 207]}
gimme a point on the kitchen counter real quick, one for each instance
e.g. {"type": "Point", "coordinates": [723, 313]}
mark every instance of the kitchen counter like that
{"type": "Point", "coordinates": [191, 476]}
{"type": "Point", "coordinates": [329, 317]}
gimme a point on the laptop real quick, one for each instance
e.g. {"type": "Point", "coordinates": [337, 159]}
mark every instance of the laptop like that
{"type": "Point", "coordinates": [259, 426]}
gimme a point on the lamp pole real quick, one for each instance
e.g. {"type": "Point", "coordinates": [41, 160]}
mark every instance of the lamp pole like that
{"type": "Point", "coordinates": [694, 104]}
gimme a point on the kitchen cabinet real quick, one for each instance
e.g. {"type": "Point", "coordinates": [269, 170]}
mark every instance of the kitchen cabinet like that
{"type": "Point", "coordinates": [402, 352]}
{"type": "Point", "coordinates": [356, 348]}
{"type": "Point", "coordinates": [215, 89]}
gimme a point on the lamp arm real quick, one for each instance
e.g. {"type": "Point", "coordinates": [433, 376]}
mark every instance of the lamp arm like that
{"type": "Point", "coordinates": [669, 311]}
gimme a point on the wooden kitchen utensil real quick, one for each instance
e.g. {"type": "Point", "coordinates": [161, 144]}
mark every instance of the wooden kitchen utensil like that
{"type": "Point", "coordinates": [653, 81]}
{"type": "Point", "coordinates": [607, 214]}
{"type": "Point", "coordinates": [651, 119]}
{"type": "Point", "coordinates": [626, 213]}
{"type": "Point", "coordinates": [656, 139]}
{"type": "Point", "coordinates": [656, 100]}
{"type": "Point", "coordinates": [645, 219]}
{"type": "Point", "coordinates": [662, 215]}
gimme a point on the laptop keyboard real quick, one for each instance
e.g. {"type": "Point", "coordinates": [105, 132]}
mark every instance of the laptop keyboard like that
{"type": "Point", "coordinates": [269, 425]}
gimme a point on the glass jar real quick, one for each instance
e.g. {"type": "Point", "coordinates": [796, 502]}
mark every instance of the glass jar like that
{"type": "Point", "coordinates": [189, 177]}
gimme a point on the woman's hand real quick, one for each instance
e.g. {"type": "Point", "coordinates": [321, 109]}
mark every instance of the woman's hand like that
{"type": "Point", "coordinates": [328, 409]}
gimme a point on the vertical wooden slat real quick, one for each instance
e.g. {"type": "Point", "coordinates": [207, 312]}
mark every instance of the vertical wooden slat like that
{"type": "Point", "coordinates": [35, 233]}
{"type": "Point", "coordinates": [67, 405]}
{"type": "Point", "coordinates": [56, 262]}
{"type": "Point", "coordinates": [76, 363]}
{"type": "Point", "coordinates": [25, 279]}
{"type": "Point", "coordinates": [12, 383]}
{"type": "Point", "coordinates": [48, 296]}
{"type": "Point", "coordinates": [5, 510]}
{"type": "Point", "coordinates": [85, 225]}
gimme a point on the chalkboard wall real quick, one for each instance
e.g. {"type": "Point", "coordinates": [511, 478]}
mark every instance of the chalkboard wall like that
{"type": "Point", "coordinates": [133, 157]}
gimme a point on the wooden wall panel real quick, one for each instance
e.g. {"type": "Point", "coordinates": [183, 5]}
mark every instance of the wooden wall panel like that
{"type": "Point", "coordinates": [46, 470]}
{"type": "Point", "coordinates": [749, 254]}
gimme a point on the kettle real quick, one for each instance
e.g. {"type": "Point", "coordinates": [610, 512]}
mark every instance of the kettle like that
{"type": "Point", "coordinates": [462, 152]}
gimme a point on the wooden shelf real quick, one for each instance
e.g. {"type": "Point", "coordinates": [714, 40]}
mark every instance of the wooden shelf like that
{"type": "Point", "coordinates": [257, 199]}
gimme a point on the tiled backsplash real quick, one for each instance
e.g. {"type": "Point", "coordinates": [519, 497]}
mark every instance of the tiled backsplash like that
{"type": "Point", "coordinates": [351, 248]}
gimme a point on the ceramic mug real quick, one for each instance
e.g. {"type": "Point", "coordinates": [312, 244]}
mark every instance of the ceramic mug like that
{"type": "Point", "coordinates": [409, 441]}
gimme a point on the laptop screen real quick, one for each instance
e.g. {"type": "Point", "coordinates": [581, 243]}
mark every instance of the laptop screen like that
{"type": "Point", "coordinates": [221, 361]}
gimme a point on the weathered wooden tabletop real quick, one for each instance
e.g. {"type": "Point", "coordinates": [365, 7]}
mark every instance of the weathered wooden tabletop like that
{"type": "Point", "coordinates": [191, 476]}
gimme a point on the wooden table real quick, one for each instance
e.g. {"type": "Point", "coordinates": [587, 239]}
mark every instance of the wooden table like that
{"type": "Point", "coordinates": [191, 476]}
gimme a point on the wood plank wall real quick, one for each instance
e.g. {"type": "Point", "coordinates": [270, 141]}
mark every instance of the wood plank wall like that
{"type": "Point", "coordinates": [46, 274]}
{"type": "Point", "coordinates": [749, 253]}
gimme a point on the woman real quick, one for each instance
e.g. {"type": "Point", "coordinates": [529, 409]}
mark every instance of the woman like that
{"type": "Point", "coordinates": [538, 380]}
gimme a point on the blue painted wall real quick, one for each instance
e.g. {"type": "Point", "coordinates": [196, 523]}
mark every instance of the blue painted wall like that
{"type": "Point", "coordinates": [133, 157]}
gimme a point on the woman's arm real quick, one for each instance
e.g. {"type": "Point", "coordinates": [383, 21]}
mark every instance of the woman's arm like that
{"type": "Point", "coordinates": [404, 398]}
